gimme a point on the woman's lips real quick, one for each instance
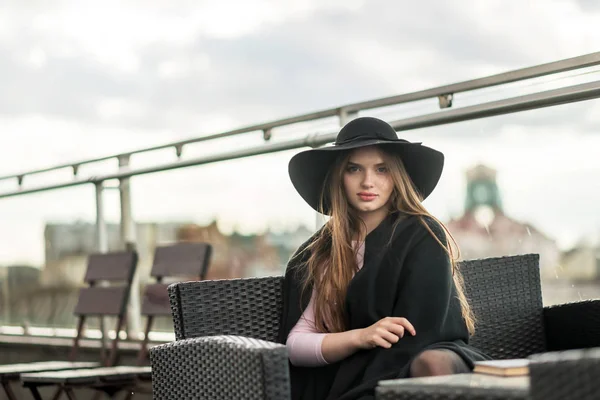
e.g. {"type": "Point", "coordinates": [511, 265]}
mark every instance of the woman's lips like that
{"type": "Point", "coordinates": [367, 196]}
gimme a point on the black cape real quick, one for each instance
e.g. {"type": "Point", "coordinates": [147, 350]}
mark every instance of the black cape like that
{"type": "Point", "coordinates": [408, 276]}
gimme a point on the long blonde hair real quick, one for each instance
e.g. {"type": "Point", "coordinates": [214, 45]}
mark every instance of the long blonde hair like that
{"type": "Point", "coordinates": [332, 261]}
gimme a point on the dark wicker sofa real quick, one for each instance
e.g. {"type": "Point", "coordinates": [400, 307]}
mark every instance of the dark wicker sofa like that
{"type": "Point", "coordinates": [226, 330]}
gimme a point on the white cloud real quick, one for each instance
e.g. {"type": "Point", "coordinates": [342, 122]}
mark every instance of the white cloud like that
{"type": "Point", "coordinates": [109, 108]}
{"type": "Point", "coordinates": [184, 67]}
{"type": "Point", "coordinates": [37, 58]}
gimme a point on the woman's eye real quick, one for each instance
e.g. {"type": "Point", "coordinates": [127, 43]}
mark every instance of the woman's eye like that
{"type": "Point", "coordinates": [352, 169]}
{"type": "Point", "coordinates": [382, 169]}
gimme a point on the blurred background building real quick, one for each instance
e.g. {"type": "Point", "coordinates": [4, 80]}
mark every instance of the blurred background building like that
{"type": "Point", "coordinates": [46, 295]}
{"type": "Point", "coordinates": [484, 229]}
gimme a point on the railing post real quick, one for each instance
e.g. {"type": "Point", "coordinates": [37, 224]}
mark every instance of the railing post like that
{"type": "Point", "coordinates": [101, 244]}
{"type": "Point", "coordinates": [101, 236]}
{"type": "Point", "coordinates": [346, 116]}
{"type": "Point", "coordinates": [6, 296]}
{"type": "Point", "coordinates": [128, 242]}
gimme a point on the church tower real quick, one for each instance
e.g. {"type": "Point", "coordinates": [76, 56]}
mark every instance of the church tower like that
{"type": "Point", "coordinates": [482, 190]}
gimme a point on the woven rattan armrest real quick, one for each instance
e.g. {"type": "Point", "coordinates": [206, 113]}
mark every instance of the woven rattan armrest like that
{"type": "Point", "coordinates": [220, 368]}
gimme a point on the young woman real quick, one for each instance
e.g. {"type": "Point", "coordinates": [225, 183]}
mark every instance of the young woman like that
{"type": "Point", "coordinates": [374, 294]}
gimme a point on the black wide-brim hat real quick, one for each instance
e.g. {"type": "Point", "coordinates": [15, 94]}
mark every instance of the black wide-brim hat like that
{"type": "Point", "coordinates": [308, 169]}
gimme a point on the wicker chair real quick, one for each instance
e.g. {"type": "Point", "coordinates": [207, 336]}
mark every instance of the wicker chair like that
{"type": "Point", "coordinates": [504, 292]}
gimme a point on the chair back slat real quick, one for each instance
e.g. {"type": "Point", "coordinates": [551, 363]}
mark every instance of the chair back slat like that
{"type": "Point", "coordinates": [506, 298]}
{"type": "Point", "coordinates": [248, 307]}
{"type": "Point", "coordinates": [179, 260]}
{"type": "Point", "coordinates": [187, 260]}
{"type": "Point", "coordinates": [117, 266]}
{"type": "Point", "coordinates": [102, 301]}
{"type": "Point", "coordinates": [182, 260]}
{"type": "Point", "coordinates": [156, 300]}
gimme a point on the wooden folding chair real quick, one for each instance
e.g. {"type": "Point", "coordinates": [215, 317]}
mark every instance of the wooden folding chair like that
{"type": "Point", "coordinates": [93, 300]}
{"type": "Point", "coordinates": [182, 260]}
{"type": "Point", "coordinates": [187, 260]}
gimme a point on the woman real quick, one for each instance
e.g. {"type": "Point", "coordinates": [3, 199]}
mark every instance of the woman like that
{"type": "Point", "coordinates": [375, 294]}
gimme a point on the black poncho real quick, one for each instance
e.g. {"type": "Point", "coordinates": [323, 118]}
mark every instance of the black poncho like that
{"type": "Point", "coordinates": [408, 276]}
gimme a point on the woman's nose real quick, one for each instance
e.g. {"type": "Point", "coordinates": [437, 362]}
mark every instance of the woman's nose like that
{"type": "Point", "coordinates": [367, 180]}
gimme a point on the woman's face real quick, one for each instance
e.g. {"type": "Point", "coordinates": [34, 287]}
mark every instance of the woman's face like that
{"type": "Point", "coordinates": [367, 181]}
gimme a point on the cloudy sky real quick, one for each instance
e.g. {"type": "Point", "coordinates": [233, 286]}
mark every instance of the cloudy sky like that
{"type": "Point", "coordinates": [82, 79]}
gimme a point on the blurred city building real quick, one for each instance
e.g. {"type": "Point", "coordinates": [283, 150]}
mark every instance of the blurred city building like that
{"type": "Point", "coordinates": [582, 262]}
{"type": "Point", "coordinates": [485, 230]}
{"type": "Point", "coordinates": [234, 256]}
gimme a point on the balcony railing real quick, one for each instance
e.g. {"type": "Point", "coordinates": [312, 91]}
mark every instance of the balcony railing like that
{"type": "Point", "coordinates": [447, 114]}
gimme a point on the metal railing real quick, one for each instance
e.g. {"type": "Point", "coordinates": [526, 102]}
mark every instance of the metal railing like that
{"type": "Point", "coordinates": [444, 94]}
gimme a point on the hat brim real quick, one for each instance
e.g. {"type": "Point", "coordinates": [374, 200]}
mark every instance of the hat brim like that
{"type": "Point", "coordinates": [308, 169]}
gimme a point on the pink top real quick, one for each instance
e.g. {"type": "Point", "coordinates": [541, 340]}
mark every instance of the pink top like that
{"type": "Point", "coordinates": [304, 342]}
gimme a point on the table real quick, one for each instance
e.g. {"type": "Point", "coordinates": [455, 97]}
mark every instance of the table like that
{"type": "Point", "coordinates": [107, 379]}
{"type": "Point", "coordinates": [12, 372]}
{"type": "Point", "coordinates": [455, 387]}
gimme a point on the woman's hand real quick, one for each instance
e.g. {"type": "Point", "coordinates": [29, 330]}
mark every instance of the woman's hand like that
{"type": "Point", "coordinates": [384, 333]}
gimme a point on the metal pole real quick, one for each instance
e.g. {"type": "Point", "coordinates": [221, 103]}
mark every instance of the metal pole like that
{"type": "Point", "coordinates": [128, 243]}
{"type": "Point", "coordinates": [127, 223]}
{"type": "Point", "coordinates": [101, 236]}
{"type": "Point", "coordinates": [101, 244]}
{"type": "Point", "coordinates": [6, 296]}
{"type": "Point", "coordinates": [565, 95]}
{"type": "Point", "coordinates": [569, 94]}
{"type": "Point", "coordinates": [555, 67]}
{"type": "Point", "coordinates": [346, 116]}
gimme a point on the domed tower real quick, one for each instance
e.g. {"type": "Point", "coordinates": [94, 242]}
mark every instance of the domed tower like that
{"type": "Point", "coordinates": [484, 229]}
{"type": "Point", "coordinates": [482, 190]}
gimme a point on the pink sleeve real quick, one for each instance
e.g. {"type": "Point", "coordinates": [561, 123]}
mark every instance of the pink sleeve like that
{"type": "Point", "coordinates": [304, 342]}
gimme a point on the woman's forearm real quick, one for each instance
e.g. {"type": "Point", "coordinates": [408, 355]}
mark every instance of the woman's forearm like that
{"type": "Point", "coordinates": [337, 346]}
